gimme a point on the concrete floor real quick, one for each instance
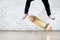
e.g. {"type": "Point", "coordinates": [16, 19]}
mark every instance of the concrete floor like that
{"type": "Point", "coordinates": [16, 35]}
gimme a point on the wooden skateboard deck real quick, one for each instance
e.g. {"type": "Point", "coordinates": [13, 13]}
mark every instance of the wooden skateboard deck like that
{"type": "Point", "coordinates": [40, 23]}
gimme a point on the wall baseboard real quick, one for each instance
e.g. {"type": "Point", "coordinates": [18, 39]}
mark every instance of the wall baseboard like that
{"type": "Point", "coordinates": [30, 30]}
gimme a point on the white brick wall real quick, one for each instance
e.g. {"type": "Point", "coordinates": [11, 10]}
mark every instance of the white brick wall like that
{"type": "Point", "coordinates": [12, 11]}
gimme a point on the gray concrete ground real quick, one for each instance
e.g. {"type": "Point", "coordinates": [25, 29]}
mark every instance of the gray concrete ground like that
{"type": "Point", "coordinates": [38, 35]}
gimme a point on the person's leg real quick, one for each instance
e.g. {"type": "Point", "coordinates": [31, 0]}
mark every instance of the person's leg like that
{"type": "Point", "coordinates": [27, 6]}
{"type": "Point", "coordinates": [28, 2]}
{"type": "Point", "coordinates": [47, 7]}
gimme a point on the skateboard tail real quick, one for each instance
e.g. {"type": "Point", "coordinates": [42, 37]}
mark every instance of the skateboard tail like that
{"type": "Point", "coordinates": [49, 28]}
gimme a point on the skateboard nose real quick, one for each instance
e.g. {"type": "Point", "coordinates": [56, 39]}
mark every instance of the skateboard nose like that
{"type": "Point", "coordinates": [32, 18]}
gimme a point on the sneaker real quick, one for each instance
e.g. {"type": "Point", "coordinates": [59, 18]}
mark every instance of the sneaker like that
{"type": "Point", "coordinates": [51, 17]}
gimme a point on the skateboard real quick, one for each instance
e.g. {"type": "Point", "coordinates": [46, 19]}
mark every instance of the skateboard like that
{"type": "Point", "coordinates": [44, 25]}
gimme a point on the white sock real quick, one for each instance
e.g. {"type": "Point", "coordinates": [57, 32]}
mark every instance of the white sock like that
{"type": "Point", "coordinates": [51, 16]}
